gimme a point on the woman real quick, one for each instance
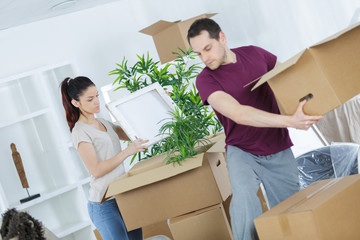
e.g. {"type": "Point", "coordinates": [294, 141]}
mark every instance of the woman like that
{"type": "Point", "coordinates": [97, 142]}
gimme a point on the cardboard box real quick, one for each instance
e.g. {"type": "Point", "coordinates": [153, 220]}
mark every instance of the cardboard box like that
{"type": "Point", "coordinates": [261, 194]}
{"type": "Point", "coordinates": [153, 191]}
{"type": "Point", "coordinates": [217, 156]}
{"type": "Point", "coordinates": [206, 224]}
{"type": "Point", "coordinates": [328, 71]}
{"type": "Point", "coordinates": [226, 205]}
{"type": "Point", "coordinates": [160, 228]}
{"type": "Point", "coordinates": [170, 36]}
{"type": "Point", "coordinates": [359, 161]}
{"type": "Point", "coordinates": [327, 209]}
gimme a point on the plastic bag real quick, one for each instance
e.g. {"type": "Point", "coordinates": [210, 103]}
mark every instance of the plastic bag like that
{"type": "Point", "coordinates": [344, 158]}
{"type": "Point", "coordinates": [336, 160]}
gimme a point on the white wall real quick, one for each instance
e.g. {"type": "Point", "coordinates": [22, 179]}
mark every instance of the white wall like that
{"type": "Point", "coordinates": [97, 38]}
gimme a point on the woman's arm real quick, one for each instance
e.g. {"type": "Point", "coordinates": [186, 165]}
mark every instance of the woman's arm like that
{"type": "Point", "coordinates": [98, 169]}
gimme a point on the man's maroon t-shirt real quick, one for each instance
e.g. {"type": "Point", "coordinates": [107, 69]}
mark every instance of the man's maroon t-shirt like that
{"type": "Point", "coordinates": [251, 63]}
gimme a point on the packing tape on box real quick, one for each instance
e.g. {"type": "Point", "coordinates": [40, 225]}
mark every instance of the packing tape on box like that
{"type": "Point", "coordinates": [283, 219]}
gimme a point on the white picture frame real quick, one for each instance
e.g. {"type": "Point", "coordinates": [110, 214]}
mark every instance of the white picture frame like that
{"type": "Point", "coordinates": [141, 114]}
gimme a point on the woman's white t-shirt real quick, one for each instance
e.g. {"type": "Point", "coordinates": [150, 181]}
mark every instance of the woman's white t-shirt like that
{"type": "Point", "coordinates": [106, 145]}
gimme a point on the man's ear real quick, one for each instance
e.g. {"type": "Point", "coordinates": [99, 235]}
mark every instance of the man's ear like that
{"type": "Point", "coordinates": [222, 37]}
{"type": "Point", "coordinates": [75, 103]}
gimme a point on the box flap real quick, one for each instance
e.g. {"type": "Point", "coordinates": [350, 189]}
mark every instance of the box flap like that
{"type": "Point", "coordinates": [204, 15]}
{"type": "Point", "coordinates": [295, 199]}
{"type": "Point", "coordinates": [189, 21]}
{"type": "Point", "coordinates": [209, 15]}
{"type": "Point", "coordinates": [209, 141]}
{"type": "Point", "coordinates": [312, 196]}
{"type": "Point", "coordinates": [157, 27]}
{"type": "Point", "coordinates": [217, 162]}
{"type": "Point", "coordinates": [336, 35]}
{"type": "Point", "coordinates": [278, 69]}
{"type": "Point", "coordinates": [148, 164]}
{"type": "Point", "coordinates": [338, 186]}
{"type": "Point", "coordinates": [185, 25]}
{"type": "Point", "coordinates": [191, 214]}
{"type": "Point", "coordinates": [138, 178]}
{"type": "Point", "coordinates": [215, 137]}
{"type": "Point", "coordinates": [219, 146]}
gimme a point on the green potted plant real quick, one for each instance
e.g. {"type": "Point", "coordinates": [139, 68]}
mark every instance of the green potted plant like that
{"type": "Point", "coordinates": [190, 124]}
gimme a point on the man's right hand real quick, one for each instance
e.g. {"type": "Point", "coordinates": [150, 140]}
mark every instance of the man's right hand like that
{"type": "Point", "coordinates": [301, 120]}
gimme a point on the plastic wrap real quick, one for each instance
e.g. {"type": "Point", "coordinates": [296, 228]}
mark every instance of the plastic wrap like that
{"type": "Point", "coordinates": [158, 237]}
{"type": "Point", "coordinates": [336, 160]}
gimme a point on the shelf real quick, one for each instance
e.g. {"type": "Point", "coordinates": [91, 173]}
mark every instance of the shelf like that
{"type": "Point", "coordinates": [48, 196]}
{"type": "Point", "coordinates": [34, 119]}
{"type": "Point", "coordinates": [68, 229]}
{"type": "Point", "coordinates": [3, 201]}
{"type": "Point", "coordinates": [8, 123]}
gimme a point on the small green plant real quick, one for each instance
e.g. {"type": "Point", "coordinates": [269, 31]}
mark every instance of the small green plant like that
{"type": "Point", "coordinates": [186, 128]}
{"type": "Point", "coordinates": [144, 72]}
{"type": "Point", "coordinates": [184, 136]}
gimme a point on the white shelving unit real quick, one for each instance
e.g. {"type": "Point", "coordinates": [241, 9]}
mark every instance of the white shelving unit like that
{"type": "Point", "coordinates": [33, 118]}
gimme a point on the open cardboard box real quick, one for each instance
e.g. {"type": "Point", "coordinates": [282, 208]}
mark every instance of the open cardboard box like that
{"type": "Point", "coordinates": [170, 36]}
{"type": "Point", "coordinates": [328, 74]}
{"type": "Point", "coordinates": [210, 223]}
{"type": "Point", "coordinates": [327, 209]}
{"type": "Point", "coordinates": [153, 191]}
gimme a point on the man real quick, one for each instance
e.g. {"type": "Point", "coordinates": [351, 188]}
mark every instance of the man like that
{"type": "Point", "coordinates": [257, 139]}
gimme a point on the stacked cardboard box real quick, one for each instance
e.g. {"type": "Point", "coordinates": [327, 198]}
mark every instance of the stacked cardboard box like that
{"type": "Point", "coordinates": [170, 36]}
{"type": "Point", "coordinates": [209, 223]}
{"type": "Point", "coordinates": [327, 209]}
{"type": "Point", "coordinates": [327, 74]}
{"type": "Point", "coordinates": [152, 192]}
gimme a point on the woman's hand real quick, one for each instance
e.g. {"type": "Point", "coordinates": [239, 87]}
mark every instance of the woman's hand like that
{"type": "Point", "coordinates": [139, 145]}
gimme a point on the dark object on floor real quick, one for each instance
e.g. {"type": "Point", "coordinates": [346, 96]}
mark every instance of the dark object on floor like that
{"type": "Point", "coordinates": [332, 161]}
{"type": "Point", "coordinates": [21, 225]}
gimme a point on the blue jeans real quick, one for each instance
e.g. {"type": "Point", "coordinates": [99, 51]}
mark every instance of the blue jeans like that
{"type": "Point", "coordinates": [279, 174]}
{"type": "Point", "coordinates": [108, 220]}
